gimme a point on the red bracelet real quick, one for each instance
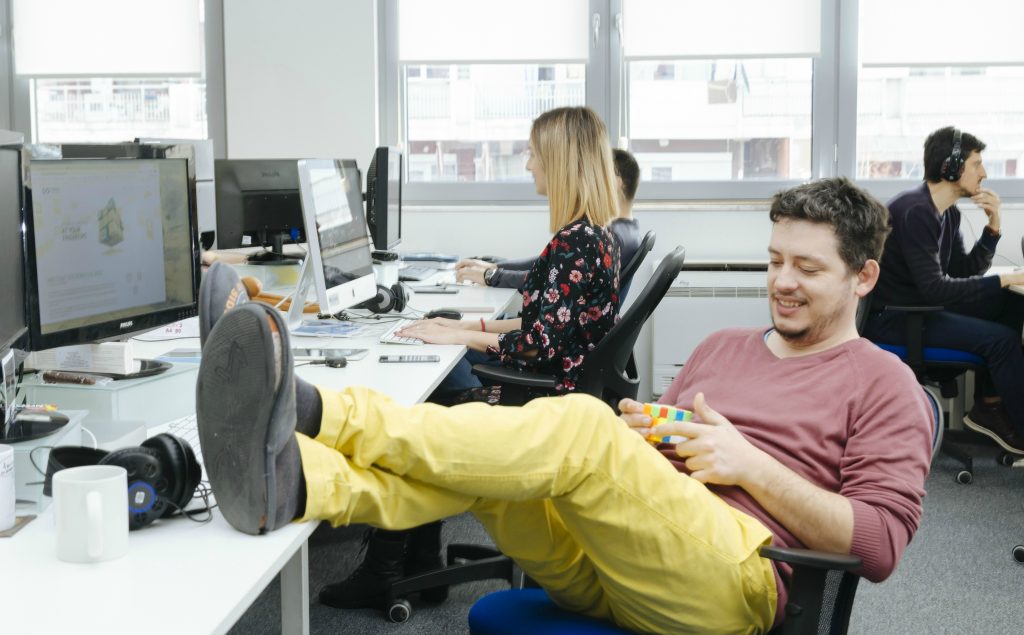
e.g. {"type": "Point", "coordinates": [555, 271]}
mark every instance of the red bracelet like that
{"type": "Point", "coordinates": [483, 329]}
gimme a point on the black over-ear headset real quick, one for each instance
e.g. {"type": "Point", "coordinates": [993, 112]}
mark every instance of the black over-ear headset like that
{"type": "Point", "coordinates": [393, 298]}
{"type": "Point", "coordinates": [162, 474]}
{"type": "Point", "coordinates": [954, 163]}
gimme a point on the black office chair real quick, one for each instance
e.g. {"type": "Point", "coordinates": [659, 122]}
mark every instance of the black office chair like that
{"type": "Point", "coordinates": [821, 592]}
{"type": "Point", "coordinates": [609, 372]}
{"type": "Point", "coordinates": [629, 269]}
{"type": "Point", "coordinates": [933, 365]}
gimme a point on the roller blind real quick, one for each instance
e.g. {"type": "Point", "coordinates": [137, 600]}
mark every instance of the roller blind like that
{"type": "Point", "coordinates": [941, 32]}
{"type": "Point", "coordinates": [680, 29]}
{"type": "Point", "coordinates": [107, 37]}
{"type": "Point", "coordinates": [478, 31]}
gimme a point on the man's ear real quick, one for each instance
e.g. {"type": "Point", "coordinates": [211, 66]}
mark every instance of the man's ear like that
{"type": "Point", "coordinates": [867, 277]}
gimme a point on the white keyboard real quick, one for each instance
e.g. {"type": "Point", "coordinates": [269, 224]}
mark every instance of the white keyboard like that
{"type": "Point", "coordinates": [185, 429]}
{"type": "Point", "coordinates": [389, 336]}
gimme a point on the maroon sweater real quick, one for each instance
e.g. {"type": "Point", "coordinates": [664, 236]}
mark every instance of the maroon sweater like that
{"type": "Point", "coordinates": [852, 420]}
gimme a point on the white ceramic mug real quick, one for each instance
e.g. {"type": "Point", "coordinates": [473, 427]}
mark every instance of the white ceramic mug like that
{"type": "Point", "coordinates": [91, 510]}
{"type": "Point", "coordinates": [7, 499]}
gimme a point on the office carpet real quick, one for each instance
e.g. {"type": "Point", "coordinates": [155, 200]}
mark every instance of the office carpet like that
{"type": "Point", "coordinates": [957, 576]}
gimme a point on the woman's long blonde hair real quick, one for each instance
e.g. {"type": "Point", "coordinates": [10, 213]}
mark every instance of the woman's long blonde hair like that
{"type": "Point", "coordinates": [572, 147]}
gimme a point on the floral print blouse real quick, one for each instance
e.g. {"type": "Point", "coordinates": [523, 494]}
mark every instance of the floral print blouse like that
{"type": "Point", "coordinates": [570, 300]}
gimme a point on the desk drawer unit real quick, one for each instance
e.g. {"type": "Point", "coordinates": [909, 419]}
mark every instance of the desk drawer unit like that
{"type": "Point", "coordinates": [699, 303]}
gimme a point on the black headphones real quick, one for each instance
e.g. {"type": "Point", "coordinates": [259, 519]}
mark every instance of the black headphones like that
{"type": "Point", "coordinates": [954, 163]}
{"type": "Point", "coordinates": [162, 474]}
{"type": "Point", "coordinates": [393, 298]}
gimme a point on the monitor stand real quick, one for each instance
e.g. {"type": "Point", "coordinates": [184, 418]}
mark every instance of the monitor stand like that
{"type": "Point", "coordinates": [299, 296]}
{"type": "Point", "coordinates": [32, 423]}
{"type": "Point", "coordinates": [147, 368]}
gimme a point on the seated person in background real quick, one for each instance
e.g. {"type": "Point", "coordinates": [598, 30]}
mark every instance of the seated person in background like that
{"type": "Point", "coordinates": [571, 293]}
{"type": "Point", "coordinates": [805, 435]}
{"type": "Point", "coordinates": [925, 263]}
{"type": "Point", "coordinates": [511, 274]}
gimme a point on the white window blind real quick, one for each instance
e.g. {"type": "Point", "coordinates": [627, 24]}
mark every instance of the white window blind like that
{"type": "Point", "coordinates": [107, 37]}
{"type": "Point", "coordinates": [680, 29]}
{"type": "Point", "coordinates": [471, 30]}
{"type": "Point", "coordinates": [941, 33]}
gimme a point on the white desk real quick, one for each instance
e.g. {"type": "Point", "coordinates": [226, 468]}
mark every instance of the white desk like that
{"type": "Point", "coordinates": [1014, 288]}
{"type": "Point", "coordinates": [183, 577]}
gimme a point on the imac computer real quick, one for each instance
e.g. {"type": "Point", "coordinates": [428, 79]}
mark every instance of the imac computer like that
{"type": "Point", "coordinates": [384, 198]}
{"type": "Point", "coordinates": [111, 244]}
{"type": "Point", "coordinates": [258, 206]}
{"type": "Point", "coordinates": [338, 264]}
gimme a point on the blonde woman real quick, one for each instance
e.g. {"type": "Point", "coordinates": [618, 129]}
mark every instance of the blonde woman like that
{"type": "Point", "coordinates": [570, 301]}
{"type": "Point", "coordinates": [571, 294]}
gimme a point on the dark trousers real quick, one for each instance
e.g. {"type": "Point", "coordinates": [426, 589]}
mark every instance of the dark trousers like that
{"type": "Point", "coordinates": [461, 377]}
{"type": "Point", "coordinates": [989, 328]}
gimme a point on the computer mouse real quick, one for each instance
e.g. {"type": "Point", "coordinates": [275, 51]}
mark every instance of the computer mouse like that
{"type": "Point", "coordinates": [451, 314]}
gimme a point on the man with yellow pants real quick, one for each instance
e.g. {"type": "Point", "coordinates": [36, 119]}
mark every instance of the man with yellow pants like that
{"type": "Point", "coordinates": [817, 439]}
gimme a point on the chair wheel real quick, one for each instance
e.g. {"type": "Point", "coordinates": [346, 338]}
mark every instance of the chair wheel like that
{"type": "Point", "coordinates": [399, 611]}
{"type": "Point", "coordinates": [1018, 553]}
{"type": "Point", "coordinates": [964, 477]}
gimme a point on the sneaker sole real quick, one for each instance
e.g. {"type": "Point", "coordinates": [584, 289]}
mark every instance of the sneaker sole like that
{"type": "Point", "coordinates": [242, 421]}
{"type": "Point", "coordinates": [992, 435]}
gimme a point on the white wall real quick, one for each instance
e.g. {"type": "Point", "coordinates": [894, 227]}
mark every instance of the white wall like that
{"type": "Point", "coordinates": [300, 79]}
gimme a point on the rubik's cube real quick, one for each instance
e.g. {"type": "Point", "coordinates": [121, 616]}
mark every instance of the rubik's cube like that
{"type": "Point", "coordinates": [661, 414]}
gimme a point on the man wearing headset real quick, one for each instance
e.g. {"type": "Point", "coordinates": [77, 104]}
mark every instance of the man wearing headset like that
{"type": "Point", "coordinates": [925, 263]}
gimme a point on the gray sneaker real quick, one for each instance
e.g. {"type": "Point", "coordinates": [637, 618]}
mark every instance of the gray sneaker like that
{"type": "Point", "coordinates": [220, 291]}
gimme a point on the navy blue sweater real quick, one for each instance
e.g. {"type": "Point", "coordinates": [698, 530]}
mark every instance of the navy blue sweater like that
{"type": "Point", "coordinates": [924, 262]}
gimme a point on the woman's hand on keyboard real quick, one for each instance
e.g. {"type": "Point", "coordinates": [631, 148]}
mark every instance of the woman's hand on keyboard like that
{"type": "Point", "coordinates": [436, 331]}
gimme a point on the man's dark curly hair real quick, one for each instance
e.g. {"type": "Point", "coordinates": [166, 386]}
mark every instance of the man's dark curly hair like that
{"type": "Point", "coordinates": [860, 221]}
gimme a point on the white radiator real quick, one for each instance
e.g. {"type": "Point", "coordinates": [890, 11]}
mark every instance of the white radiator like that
{"type": "Point", "coordinates": [699, 303]}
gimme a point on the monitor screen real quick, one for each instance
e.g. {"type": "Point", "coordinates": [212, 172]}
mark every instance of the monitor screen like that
{"type": "Point", "coordinates": [257, 203]}
{"type": "Point", "coordinates": [384, 197]}
{"type": "Point", "coordinates": [339, 249]}
{"type": "Point", "coordinates": [111, 247]}
{"type": "Point", "coordinates": [12, 276]}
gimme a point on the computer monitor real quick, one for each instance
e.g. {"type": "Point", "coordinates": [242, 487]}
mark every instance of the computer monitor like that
{"type": "Point", "coordinates": [338, 262]}
{"type": "Point", "coordinates": [258, 205]}
{"type": "Point", "coordinates": [384, 197]}
{"type": "Point", "coordinates": [13, 324]}
{"type": "Point", "coordinates": [111, 245]}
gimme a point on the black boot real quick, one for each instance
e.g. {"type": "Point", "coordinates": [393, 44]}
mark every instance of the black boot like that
{"type": "Point", "coordinates": [425, 554]}
{"type": "Point", "coordinates": [382, 565]}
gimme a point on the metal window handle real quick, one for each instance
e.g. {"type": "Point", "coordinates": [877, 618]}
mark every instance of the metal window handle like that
{"type": "Point", "coordinates": [595, 21]}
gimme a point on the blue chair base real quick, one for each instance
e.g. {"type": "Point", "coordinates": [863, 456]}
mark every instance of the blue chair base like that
{"type": "Point", "coordinates": [531, 611]}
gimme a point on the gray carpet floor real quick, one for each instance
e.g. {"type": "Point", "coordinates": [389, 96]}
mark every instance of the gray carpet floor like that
{"type": "Point", "coordinates": [957, 576]}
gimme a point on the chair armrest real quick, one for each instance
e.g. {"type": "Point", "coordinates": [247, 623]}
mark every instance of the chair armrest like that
{"type": "Point", "coordinates": [504, 375]}
{"type": "Point", "coordinates": [914, 336]}
{"type": "Point", "coordinates": [811, 558]}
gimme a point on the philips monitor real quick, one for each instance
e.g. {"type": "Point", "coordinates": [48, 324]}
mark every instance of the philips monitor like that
{"type": "Point", "coordinates": [339, 249]}
{"type": "Point", "coordinates": [384, 198]}
{"type": "Point", "coordinates": [111, 244]}
{"type": "Point", "coordinates": [258, 205]}
{"type": "Point", "coordinates": [13, 323]}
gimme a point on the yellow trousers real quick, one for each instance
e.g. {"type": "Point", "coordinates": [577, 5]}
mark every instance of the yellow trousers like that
{"type": "Point", "coordinates": [581, 502]}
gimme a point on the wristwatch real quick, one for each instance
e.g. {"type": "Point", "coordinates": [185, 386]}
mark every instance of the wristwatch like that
{"type": "Point", "coordinates": [489, 274]}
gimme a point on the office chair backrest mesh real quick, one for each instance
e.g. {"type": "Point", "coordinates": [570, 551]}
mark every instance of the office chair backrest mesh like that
{"type": "Point", "coordinates": [609, 371]}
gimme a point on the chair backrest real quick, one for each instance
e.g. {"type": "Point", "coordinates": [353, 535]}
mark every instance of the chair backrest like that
{"type": "Point", "coordinates": [629, 269]}
{"type": "Point", "coordinates": [609, 372]}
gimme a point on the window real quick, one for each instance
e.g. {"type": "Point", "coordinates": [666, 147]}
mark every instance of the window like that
{"type": "Point", "coordinates": [86, 93]}
{"type": "Point", "coordinates": [912, 81]}
{"type": "Point", "coordinates": [712, 97]}
{"type": "Point", "coordinates": [470, 97]}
